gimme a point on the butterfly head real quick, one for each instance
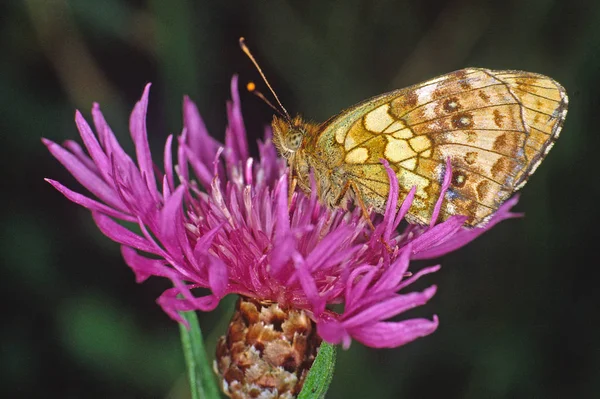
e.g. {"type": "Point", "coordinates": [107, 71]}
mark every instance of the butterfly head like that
{"type": "Point", "coordinates": [288, 135]}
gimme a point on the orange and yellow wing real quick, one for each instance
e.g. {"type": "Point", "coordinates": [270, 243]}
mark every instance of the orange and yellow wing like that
{"type": "Point", "coordinates": [495, 126]}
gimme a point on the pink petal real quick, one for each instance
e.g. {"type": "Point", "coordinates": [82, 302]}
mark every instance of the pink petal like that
{"type": "Point", "coordinates": [437, 234]}
{"type": "Point", "coordinates": [173, 305]}
{"type": "Point", "coordinates": [394, 334]}
{"type": "Point", "coordinates": [444, 189]}
{"type": "Point", "coordinates": [137, 127]}
{"type": "Point", "coordinates": [120, 234]}
{"type": "Point", "coordinates": [200, 142]}
{"type": "Point", "coordinates": [169, 184]}
{"type": "Point", "coordinates": [235, 136]}
{"type": "Point", "coordinates": [391, 307]}
{"type": "Point", "coordinates": [218, 276]}
{"type": "Point", "coordinates": [89, 203]}
{"type": "Point", "coordinates": [88, 178]}
{"type": "Point", "coordinates": [92, 145]}
{"type": "Point", "coordinates": [170, 218]}
{"type": "Point", "coordinates": [146, 267]}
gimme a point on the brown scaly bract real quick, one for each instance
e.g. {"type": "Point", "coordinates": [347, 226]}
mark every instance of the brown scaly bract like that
{"type": "Point", "coordinates": [268, 351]}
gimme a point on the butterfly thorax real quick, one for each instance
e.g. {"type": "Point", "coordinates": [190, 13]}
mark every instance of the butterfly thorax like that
{"type": "Point", "coordinates": [296, 141]}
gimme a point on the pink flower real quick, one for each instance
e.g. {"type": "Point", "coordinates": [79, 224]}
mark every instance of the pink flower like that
{"type": "Point", "coordinates": [218, 219]}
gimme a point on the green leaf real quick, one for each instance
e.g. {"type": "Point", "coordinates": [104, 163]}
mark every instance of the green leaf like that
{"type": "Point", "coordinates": [320, 374]}
{"type": "Point", "coordinates": [202, 382]}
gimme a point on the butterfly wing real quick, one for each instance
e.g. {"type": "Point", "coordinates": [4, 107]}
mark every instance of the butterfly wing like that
{"type": "Point", "coordinates": [495, 126]}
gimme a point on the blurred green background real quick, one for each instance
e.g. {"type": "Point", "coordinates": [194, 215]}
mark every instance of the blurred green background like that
{"type": "Point", "coordinates": [518, 307]}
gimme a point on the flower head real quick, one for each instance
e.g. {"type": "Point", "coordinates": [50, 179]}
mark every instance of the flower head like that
{"type": "Point", "coordinates": [218, 219]}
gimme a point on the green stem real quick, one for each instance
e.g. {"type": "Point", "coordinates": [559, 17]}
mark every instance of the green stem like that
{"type": "Point", "coordinates": [321, 373]}
{"type": "Point", "coordinates": [202, 382]}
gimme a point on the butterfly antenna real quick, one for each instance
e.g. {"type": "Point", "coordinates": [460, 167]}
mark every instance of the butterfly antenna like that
{"type": "Point", "coordinates": [246, 50]}
{"type": "Point", "coordinates": [251, 87]}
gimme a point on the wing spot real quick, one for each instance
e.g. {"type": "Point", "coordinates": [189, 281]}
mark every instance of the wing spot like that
{"type": "Point", "coordinates": [462, 120]}
{"type": "Point", "coordinates": [349, 142]}
{"type": "Point", "coordinates": [471, 136]}
{"type": "Point", "coordinates": [395, 127]}
{"type": "Point", "coordinates": [340, 134]}
{"type": "Point", "coordinates": [459, 179]}
{"type": "Point", "coordinates": [484, 96]}
{"type": "Point", "coordinates": [440, 92]}
{"type": "Point", "coordinates": [420, 143]}
{"type": "Point", "coordinates": [483, 189]}
{"type": "Point", "coordinates": [500, 143]}
{"type": "Point", "coordinates": [498, 118]}
{"type": "Point", "coordinates": [403, 134]}
{"type": "Point", "coordinates": [462, 80]}
{"type": "Point", "coordinates": [472, 209]}
{"type": "Point", "coordinates": [379, 119]}
{"type": "Point", "coordinates": [410, 100]}
{"type": "Point", "coordinates": [357, 156]}
{"type": "Point", "coordinates": [471, 157]}
{"type": "Point", "coordinates": [452, 105]}
{"type": "Point", "coordinates": [398, 150]}
{"type": "Point", "coordinates": [409, 164]}
{"type": "Point", "coordinates": [501, 167]}
{"type": "Point", "coordinates": [539, 104]}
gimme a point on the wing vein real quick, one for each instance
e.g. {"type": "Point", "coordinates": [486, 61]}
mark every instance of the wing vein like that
{"type": "Point", "coordinates": [470, 109]}
{"type": "Point", "coordinates": [446, 96]}
{"type": "Point", "coordinates": [537, 95]}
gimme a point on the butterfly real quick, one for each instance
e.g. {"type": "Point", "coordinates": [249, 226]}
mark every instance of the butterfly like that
{"type": "Point", "coordinates": [494, 127]}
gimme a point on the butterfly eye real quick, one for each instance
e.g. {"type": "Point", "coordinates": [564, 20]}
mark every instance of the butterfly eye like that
{"type": "Point", "coordinates": [294, 139]}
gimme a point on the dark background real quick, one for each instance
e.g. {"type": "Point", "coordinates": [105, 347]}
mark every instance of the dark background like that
{"type": "Point", "coordinates": [518, 307]}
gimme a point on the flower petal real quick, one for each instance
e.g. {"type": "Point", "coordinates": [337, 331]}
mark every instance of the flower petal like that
{"type": "Point", "coordinates": [217, 276]}
{"type": "Point", "coordinates": [465, 235]}
{"type": "Point", "coordinates": [198, 139]}
{"type": "Point", "coordinates": [394, 334]}
{"type": "Point", "coordinates": [88, 178]}
{"type": "Point", "coordinates": [93, 146]}
{"type": "Point", "coordinates": [443, 190]}
{"type": "Point", "coordinates": [137, 127]}
{"type": "Point", "coordinates": [89, 203]}
{"type": "Point", "coordinates": [235, 136]}
{"type": "Point", "coordinates": [390, 307]}
{"type": "Point", "coordinates": [120, 234]}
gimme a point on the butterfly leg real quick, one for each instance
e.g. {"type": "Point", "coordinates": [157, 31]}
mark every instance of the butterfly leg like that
{"type": "Point", "coordinates": [342, 194]}
{"type": "Point", "coordinates": [362, 205]}
{"type": "Point", "coordinates": [350, 184]}
{"type": "Point", "coordinates": [293, 182]}
{"type": "Point", "coordinates": [366, 213]}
